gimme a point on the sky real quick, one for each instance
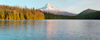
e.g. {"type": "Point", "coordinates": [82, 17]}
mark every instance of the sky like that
{"type": "Point", "coordinates": [75, 6]}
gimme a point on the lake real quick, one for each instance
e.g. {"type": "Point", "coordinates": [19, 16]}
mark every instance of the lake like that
{"type": "Point", "coordinates": [49, 29]}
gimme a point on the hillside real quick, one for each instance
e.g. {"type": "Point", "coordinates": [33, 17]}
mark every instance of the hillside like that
{"type": "Point", "coordinates": [95, 15]}
{"type": "Point", "coordinates": [87, 11]}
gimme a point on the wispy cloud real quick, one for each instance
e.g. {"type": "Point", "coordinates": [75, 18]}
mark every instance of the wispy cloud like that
{"type": "Point", "coordinates": [84, 2]}
{"type": "Point", "coordinates": [73, 8]}
{"type": "Point", "coordinates": [78, 4]}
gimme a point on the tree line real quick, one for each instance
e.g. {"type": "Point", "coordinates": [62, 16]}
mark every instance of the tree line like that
{"type": "Point", "coordinates": [91, 15]}
{"type": "Point", "coordinates": [15, 12]}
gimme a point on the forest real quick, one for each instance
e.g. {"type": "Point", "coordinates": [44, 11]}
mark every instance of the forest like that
{"type": "Point", "coordinates": [15, 12]}
{"type": "Point", "coordinates": [86, 14]}
{"type": "Point", "coordinates": [19, 13]}
{"type": "Point", "coordinates": [92, 15]}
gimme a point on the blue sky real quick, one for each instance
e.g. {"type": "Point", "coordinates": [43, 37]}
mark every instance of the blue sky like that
{"type": "Point", "coordinates": [75, 6]}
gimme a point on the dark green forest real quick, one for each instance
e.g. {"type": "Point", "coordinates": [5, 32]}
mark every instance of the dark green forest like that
{"type": "Point", "coordinates": [92, 15]}
{"type": "Point", "coordinates": [54, 16]}
{"type": "Point", "coordinates": [88, 14]}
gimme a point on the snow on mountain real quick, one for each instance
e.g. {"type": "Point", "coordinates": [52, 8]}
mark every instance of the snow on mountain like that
{"type": "Point", "coordinates": [49, 7]}
{"type": "Point", "coordinates": [55, 10]}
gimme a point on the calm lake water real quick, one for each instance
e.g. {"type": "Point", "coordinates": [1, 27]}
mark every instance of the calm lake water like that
{"type": "Point", "coordinates": [49, 29]}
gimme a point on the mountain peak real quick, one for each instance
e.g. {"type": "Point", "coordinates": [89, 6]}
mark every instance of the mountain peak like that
{"type": "Point", "coordinates": [49, 7]}
{"type": "Point", "coordinates": [90, 9]}
{"type": "Point", "coordinates": [48, 4]}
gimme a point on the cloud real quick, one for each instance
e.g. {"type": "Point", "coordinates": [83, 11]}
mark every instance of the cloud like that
{"type": "Point", "coordinates": [76, 8]}
{"type": "Point", "coordinates": [73, 7]}
{"type": "Point", "coordinates": [84, 2]}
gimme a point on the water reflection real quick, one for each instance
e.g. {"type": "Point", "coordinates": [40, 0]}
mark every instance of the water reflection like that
{"type": "Point", "coordinates": [73, 30]}
{"type": "Point", "coordinates": [21, 29]}
{"type": "Point", "coordinates": [18, 23]}
{"type": "Point", "coordinates": [49, 30]}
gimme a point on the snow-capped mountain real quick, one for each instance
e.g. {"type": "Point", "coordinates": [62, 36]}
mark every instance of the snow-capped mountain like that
{"type": "Point", "coordinates": [55, 10]}
{"type": "Point", "coordinates": [49, 7]}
